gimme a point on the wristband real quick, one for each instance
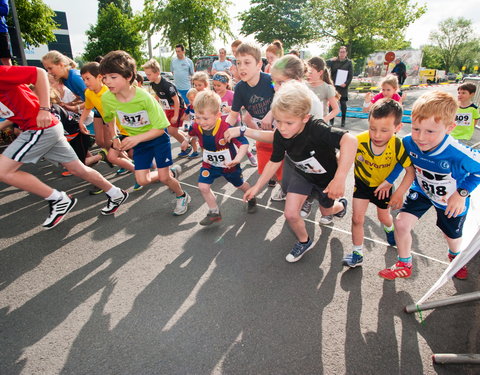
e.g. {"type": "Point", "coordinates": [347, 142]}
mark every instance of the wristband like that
{"type": "Point", "coordinates": [116, 137]}
{"type": "Point", "coordinates": [44, 109]}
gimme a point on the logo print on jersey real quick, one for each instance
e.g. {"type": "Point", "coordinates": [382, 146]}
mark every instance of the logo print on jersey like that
{"type": "Point", "coordinates": [205, 173]}
{"type": "Point", "coordinates": [413, 195]}
{"type": "Point", "coordinates": [444, 164]}
{"type": "Point", "coordinates": [222, 142]}
{"type": "Point", "coordinates": [413, 155]}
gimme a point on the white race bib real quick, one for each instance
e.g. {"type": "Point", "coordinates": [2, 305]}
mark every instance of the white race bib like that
{"type": "Point", "coordinates": [164, 103]}
{"type": "Point", "coordinates": [310, 165]}
{"type": "Point", "coordinates": [134, 120]}
{"type": "Point", "coordinates": [5, 112]}
{"type": "Point", "coordinates": [223, 109]}
{"type": "Point", "coordinates": [437, 186]}
{"type": "Point", "coordinates": [463, 119]}
{"type": "Point", "coordinates": [217, 158]}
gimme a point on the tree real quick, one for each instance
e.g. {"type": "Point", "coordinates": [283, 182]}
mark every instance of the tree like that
{"type": "Point", "coordinates": [194, 23]}
{"type": "Point", "coordinates": [123, 5]}
{"type": "Point", "coordinates": [432, 57]}
{"type": "Point", "coordinates": [286, 20]}
{"type": "Point", "coordinates": [36, 21]}
{"type": "Point", "coordinates": [452, 36]}
{"type": "Point", "coordinates": [103, 38]}
{"type": "Point", "coordinates": [361, 25]}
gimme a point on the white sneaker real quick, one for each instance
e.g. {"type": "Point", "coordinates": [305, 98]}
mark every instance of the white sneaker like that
{"type": "Point", "coordinates": [58, 210]}
{"type": "Point", "coordinates": [326, 220]}
{"type": "Point", "coordinates": [113, 204]}
{"type": "Point", "coordinates": [176, 171]}
{"type": "Point", "coordinates": [252, 160]}
{"type": "Point", "coordinates": [278, 195]}
{"type": "Point", "coordinates": [181, 205]}
{"type": "Point", "coordinates": [306, 208]}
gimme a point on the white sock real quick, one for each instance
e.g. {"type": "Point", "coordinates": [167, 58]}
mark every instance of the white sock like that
{"type": "Point", "coordinates": [388, 229]}
{"type": "Point", "coordinates": [358, 249]}
{"type": "Point", "coordinates": [114, 192]}
{"type": "Point", "coordinates": [215, 210]}
{"type": "Point", "coordinates": [55, 196]}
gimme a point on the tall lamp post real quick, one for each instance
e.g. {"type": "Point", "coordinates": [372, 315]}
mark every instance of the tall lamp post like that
{"type": "Point", "coordinates": [17, 35]}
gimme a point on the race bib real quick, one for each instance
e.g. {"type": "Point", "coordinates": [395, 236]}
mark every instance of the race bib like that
{"type": "Point", "coordinates": [218, 159]}
{"type": "Point", "coordinates": [164, 103]}
{"type": "Point", "coordinates": [5, 112]}
{"type": "Point", "coordinates": [134, 120]}
{"type": "Point", "coordinates": [437, 186]}
{"type": "Point", "coordinates": [310, 165]}
{"type": "Point", "coordinates": [464, 119]}
{"type": "Point", "coordinates": [223, 109]}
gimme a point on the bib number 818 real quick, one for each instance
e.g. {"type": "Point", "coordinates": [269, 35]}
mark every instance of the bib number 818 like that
{"type": "Point", "coordinates": [437, 190]}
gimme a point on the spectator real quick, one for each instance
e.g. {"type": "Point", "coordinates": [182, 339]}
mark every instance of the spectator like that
{"type": "Point", "coordinates": [182, 69]}
{"type": "Point", "coordinates": [400, 70]}
{"type": "Point", "coordinates": [5, 50]}
{"type": "Point", "coordinates": [273, 53]}
{"type": "Point", "coordinates": [222, 64]}
{"type": "Point", "coordinates": [341, 69]}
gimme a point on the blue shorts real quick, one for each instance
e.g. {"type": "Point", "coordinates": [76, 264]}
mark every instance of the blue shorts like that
{"type": "Point", "coordinates": [417, 204]}
{"type": "Point", "coordinates": [158, 148]}
{"type": "Point", "coordinates": [208, 175]}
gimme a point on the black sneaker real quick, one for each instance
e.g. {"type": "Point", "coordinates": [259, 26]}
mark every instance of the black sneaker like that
{"type": "Point", "coordinates": [272, 183]}
{"type": "Point", "coordinates": [211, 218]}
{"type": "Point", "coordinates": [344, 211]}
{"type": "Point", "coordinates": [114, 203]}
{"type": "Point", "coordinates": [252, 206]}
{"type": "Point", "coordinates": [58, 210]}
{"type": "Point", "coordinates": [103, 154]}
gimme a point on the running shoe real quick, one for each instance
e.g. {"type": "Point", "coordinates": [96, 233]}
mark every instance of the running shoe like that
{"type": "Point", "coordinates": [353, 260]}
{"type": "Point", "coordinates": [121, 172]}
{"type": "Point", "coordinates": [181, 204]}
{"type": "Point", "coordinates": [278, 195]}
{"type": "Point", "coordinates": [137, 187]}
{"type": "Point", "coordinates": [344, 211]}
{"type": "Point", "coordinates": [184, 154]}
{"type": "Point", "coordinates": [306, 208]}
{"type": "Point", "coordinates": [252, 159]}
{"type": "Point", "coordinates": [114, 203]}
{"type": "Point", "coordinates": [326, 220]}
{"type": "Point", "coordinates": [462, 273]}
{"type": "Point", "coordinates": [400, 269]}
{"type": "Point", "coordinates": [95, 191]}
{"type": "Point", "coordinates": [210, 219]}
{"type": "Point", "coordinates": [298, 251]}
{"type": "Point", "coordinates": [272, 183]}
{"type": "Point", "coordinates": [193, 155]}
{"type": "Point", "coordinates": [176, 171]}
{"type": "Point", "coordinates": [58, 210]}
{"type": "Point", "coordinates": [390, 237]}
{"type": "Point", "coordinates": [103, 154]}
{"type": "Point", "coordinates": [252, 206]}
{"type": "Point", "coordinates": [67, 173]}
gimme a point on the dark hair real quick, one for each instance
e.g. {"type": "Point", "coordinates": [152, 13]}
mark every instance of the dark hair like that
{"type": "Point", "coordinates": [386, 107]}
{"type": "Point", "coordinates": [295, 52]}
{"type": "Point", "coordinates": [180, 46]}
{"type": "Point", "coordinates": [92, 67]}
{"type": "Point", "coordinates": [98, 59]}
{"type": "Point", "coordinates": [468, 86]}
{"type": "Point", "coordinates": [319, 64]}
{"type": "Point", "coordinates": [139, 78]}
{"type": "Point", "coordinates": [119, 62]}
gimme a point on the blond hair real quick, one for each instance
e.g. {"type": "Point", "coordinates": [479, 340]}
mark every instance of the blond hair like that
{"type": "Point", "coordinates": [289, 66]}
{"type": "Point", "coordinates": [202, 77]}
{"type": "Point", "coordinates": [439, 105]}
{"type": "Point", "coordinates": [207, 101]}
{"type": "Point", "coordinates": [192, 91]}
{"type": "Point", "coordinates": [153, 65]}
{"type": "Point", "coordinates": [250, 49]}
{"type": "Point", "coordinates": [276, 48]}
{"type": "Point", "coordinates": [294, 98]}
{"type": "Point", "coordinates": [389, 79]}
{"type": "Point", "coordinates": [58, 58]}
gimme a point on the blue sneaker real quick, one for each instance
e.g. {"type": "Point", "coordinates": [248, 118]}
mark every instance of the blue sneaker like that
{"type": "Point", "coordinates": [353, 260]}
{"type": "Point", "coordinates": [137, 187]}
{"type": "Point", "coordinates": [193, 155]}
{"type": "Point", "coordinates": [121, 171]}
{"type": "Point", "coordinates": [390, 237]}
{"type": "Point", "coordinates": [184, 154]}
{"type": "Point", "coordinates": [298, 251]}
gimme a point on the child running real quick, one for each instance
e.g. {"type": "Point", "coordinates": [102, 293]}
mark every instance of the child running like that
{"type": "Point", "coordinates": [42, 136]}
{"type": "Point", "coordinates": [379, 152]}
{"type": "Point", "coordinates": [467, 113]}
{"type": "Point", "coordinates": [219, 158]}
{"type": "Point", "coordinates": [143, 119]}
{"type": "Point", "coordinates": [389, 85]}
{"type": "Point", "coordinates": [446, 172]}
{"type": "Point", "coordinates": [311, 145]}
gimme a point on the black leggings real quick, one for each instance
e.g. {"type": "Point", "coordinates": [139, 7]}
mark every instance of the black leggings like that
{"type": "Point", "coordinates": [343, 109]}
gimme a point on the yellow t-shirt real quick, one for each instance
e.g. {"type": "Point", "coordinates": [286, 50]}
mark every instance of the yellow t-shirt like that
{"type": "Point", "coordinates": [373, 169]}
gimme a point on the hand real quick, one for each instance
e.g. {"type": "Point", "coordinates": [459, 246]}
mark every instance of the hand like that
{"type": "Point", "coordinates": [335, 189]}
{"type": "Point", "coordinates": [250, 193]}
{"type": "Point", "coordinates": [368, 97]}
{"type": "Point", "coordinates": [44, 119]}
{"type": "Point", "coordinates": [231, 133]}
{"type": "Point", "coordinates": [396, 200]}
{"type": "Point", "coordinates": [383, 190]}
{"type": "Point", "coordinates": [266, 125]}
{"type": "Point", "coordinates": [233, 163]}
{"type": "Point", "coordinates": [174, 120]}
{"type": "Point", "coordinates": [129, 143]}
{"type": "Point", "coordinates": [83, 129]}
{"type": "Point", "coordinates": [455, 205]}
{"type": "Point", "coordinates": [116, 144]}
{"type": "Point", "coordinates": [343, 85]}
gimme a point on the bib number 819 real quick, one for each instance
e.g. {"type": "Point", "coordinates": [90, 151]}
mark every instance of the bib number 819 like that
{"type": "Point", "coordinates": [216, 158]}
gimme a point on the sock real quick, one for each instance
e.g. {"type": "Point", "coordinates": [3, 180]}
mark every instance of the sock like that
{"type": "Point", "coordinates": [388, 229]}
{"type": "Point", "coordinates": [452, 253]}
{"type": "Point", "coordinates": [215, 210]}
{"type": "Point", "coordinates": [114, 192]}
{"type": "Point", "coordinates": [55, 196]}
{"type": "Point", "coordinates": [358, 249]}
{"type": "Point", "coordinates": [182, 196]}
{"type": "Point", "coordinates": [303, 243]}
{"type": "Point", "coordinates": [407, 261]}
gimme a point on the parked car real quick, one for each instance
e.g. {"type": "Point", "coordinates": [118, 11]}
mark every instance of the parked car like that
{"type": "Point", "coordinates": [451, 76]}
{"type": "Point", "coordinates": [205, 63]}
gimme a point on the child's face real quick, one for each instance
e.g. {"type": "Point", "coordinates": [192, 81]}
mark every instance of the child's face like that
{"type": "Point", "coordinates": [248, 68]}
{"type": "Point", "coordinates": [289, 125]}
{"type": "Point", "coordinates": [271, 57]}
{"type": "Point", "coordinates": [219, 87]}
{"type": "Point", "coordinates": [93, 83]}
{"type": "Point", "coordinates": [278, 80]}
{"type": "Point", "coordinates": [116, 83]}
{"type": "Point", "coordinates": [382, 129]}
{"type": "Point", "coordinates": [200, 85]}
{"type": "Point", "coordinates": [56, 70]}
{"type": "Point", "coordinates": [207, 119]}
{"type": "Point", "coordinates": [313, 75]}
{"type": "Point", "coordinates": [428, 134]}
{"type": "Point", "coordinates": [464, 95]}
{"type": "Point", "coordinates": [388, 91]}
{"type": "Point", "coordinates": [151, 75]}
{"type": "Point", "coordinates": [191, 98]}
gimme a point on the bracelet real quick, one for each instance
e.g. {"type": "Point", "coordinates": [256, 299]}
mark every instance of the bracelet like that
{"type": "Point", "coordinates": [44, 109]}
{"type": "Point", "coordinates": [116, 137]}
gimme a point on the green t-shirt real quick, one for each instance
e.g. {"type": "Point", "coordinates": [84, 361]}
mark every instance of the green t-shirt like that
{"type": "Point", "coordinates": [465, 121]}
{"type": "Point", "coordinates": [138, 116]}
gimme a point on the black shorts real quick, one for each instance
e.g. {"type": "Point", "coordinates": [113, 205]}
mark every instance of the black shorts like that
{"type": "Point", "coordinates": [362, 191]}
{"type": "Point", "coordinates": [417, 204]}
{"type": "Point", "coordinates": [80, 144]}
{"type": "Point", "coordinates": [5, 50]}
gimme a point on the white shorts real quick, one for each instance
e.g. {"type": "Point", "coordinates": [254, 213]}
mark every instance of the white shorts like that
{"type": "Point", "coordinates": [50, 143]}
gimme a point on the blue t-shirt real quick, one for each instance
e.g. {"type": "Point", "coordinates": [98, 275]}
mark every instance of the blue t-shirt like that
{"type": "Point", "coordinates": [182, 71]}
{"type": "Point", "coordinates": [257, 99]}
{"type": "Point", "coordinates": [221, 66]}
{"type": "Point", "coordinates": [438, 173]}
{"type": "Point", "coordinates": [3, 14]}
{"type": "Point", "coordinates": [75, 83]}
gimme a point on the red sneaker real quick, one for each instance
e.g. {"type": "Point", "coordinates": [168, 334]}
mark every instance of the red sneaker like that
{"type": "Point", "coordinates": [66, 174]}
{"type": "Point", "coordinates": [462, 273]}
{"type": "Point", "coordinates": [400, 269]}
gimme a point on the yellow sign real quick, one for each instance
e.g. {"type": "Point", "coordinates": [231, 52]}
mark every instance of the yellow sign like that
{"type": "Point", "coordinates": [464, 67]}
{"type": "Point", "coordinates": [475, 67]}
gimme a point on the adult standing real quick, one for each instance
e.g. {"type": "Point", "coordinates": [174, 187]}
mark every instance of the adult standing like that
{"type": "Point", "coordinates": [5, 50]}
{"type": "Point", "coordinates": [222, 64]}
{"type": "Point", "coordinates": [400, 70]}
{"type": "Point", "coordinates": [182, 69]}
{"type": "Point", "coordinates": [341, 70]}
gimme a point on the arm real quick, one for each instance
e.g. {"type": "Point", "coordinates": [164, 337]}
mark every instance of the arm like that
{"type": "Point", "coordinates": [5, 124]}
{"type": "Point", "coordinates": [396, 200]}
{"type": "Point", "coordinates": [4, 8]}
{"type": "Point", "coordinates": [367, 104]}
{"type": "Point", "coordinates": [42, 88]}
{"type": "Point", "coordinates": [81, 121]}
{"type": "Point", "coordinates": [267, 121]}
{"type": "Point", "coordinates": [259, 135]}
{"type": "Point", "coordinates": [176, 109]}
{"type": "Point", "coordinates": [232, 118]}
{"type": "Point", "coordinates": [332, 102]}
{"type": "Point", "coordinates": [348, 150]}
{"type": "Point", "coordinates": [266, 175]}
{"type": "Point", "coordinates": [350, 74]}
{"type": "Point", "coordinates": [130, 142]}
{"type": "Point", "coordinates": [242, 151]}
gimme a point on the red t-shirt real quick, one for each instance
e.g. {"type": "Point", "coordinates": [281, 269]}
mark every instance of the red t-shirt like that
{"type": "Point", "coordinates": [17, 102]}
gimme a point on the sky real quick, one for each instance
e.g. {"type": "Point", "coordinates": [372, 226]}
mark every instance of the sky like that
{"type": "Point", "coordinates": [82, 14]}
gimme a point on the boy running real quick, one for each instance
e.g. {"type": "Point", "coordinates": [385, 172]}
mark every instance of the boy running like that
{"type": "Point", "coordinates": [467, 113]}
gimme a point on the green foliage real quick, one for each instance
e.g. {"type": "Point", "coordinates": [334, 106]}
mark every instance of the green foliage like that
{"type": "Point", "coordinates": [286, 20]}
{"type": "Point", "coordinates": [194, 23]}
{"type": "Point", "coordinates": [103, 38]}
{"type": "Point", "coordinates": [469, 56]}
{"type": "Point", "coordinates": [452, 37]}
{"type": "Point", "coordinates": [432, 57]}
{"type": "Point", "coordinates": [364, 25]}
{"type": "Point", "coordinates": [36, 21]}
{"type": "Point", "coordinates": [123, 5]}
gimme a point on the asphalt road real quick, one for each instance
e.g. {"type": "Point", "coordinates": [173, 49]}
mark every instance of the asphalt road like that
{"type": "Point", "coordinates": [145, 292]}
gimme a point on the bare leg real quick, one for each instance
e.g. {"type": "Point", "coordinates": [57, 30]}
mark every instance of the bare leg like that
{"type": "Point", "coordinates": [208, 195]}
{"type": "Point", "coordinates": [293, 204]}
{"type": "Point", "coordinates": [77, 168]}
